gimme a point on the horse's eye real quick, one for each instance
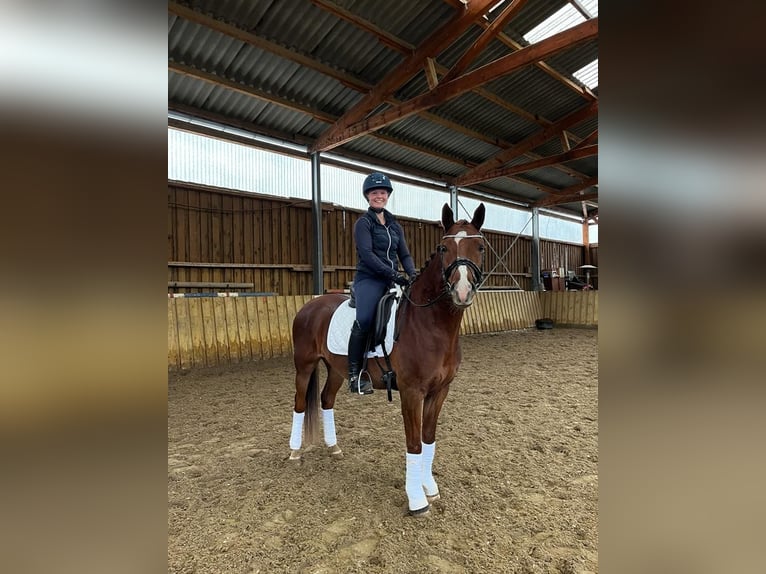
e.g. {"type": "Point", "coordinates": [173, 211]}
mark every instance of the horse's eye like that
{"type": "Point", "coordinates": [481, 248]}
{"type": "Point", "coordinates": [441, 249]}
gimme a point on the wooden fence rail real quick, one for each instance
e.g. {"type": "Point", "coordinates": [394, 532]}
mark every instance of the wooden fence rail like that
{"type": "Point", "coordinates": [210, 331]}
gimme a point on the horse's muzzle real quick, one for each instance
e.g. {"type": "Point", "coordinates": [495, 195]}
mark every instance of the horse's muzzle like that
{"type": "Point", "coordinates": [462, 295]}
{"type": "Point", "coordinates": [467, 276]}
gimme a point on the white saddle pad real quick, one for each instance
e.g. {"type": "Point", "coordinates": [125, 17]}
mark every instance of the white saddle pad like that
{"type": "Point", "coordinates": [340, 330]}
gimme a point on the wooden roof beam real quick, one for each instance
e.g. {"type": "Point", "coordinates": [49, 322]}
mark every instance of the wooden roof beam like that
{"type": "Point", "coordinates": [589, 139]}
{"type": "Point", "coordinates": [446, 91]}
{"type": "Point", "coordinates": [478, 173]}
{"type": "Point", "coordinates": [559, 199]}
{"type": "Point", "coordinates": [385, 38]}
{"type": "Point", "coordinates": [490, 32]}
{"type": "Point", "coordinates": [585, 92]}
{"type": "Point", "coordinates": [543, 162]}
{"type": "Point", "coordinates": [439, 40]}
{"type": "Point", "coordinates": [569, 194]}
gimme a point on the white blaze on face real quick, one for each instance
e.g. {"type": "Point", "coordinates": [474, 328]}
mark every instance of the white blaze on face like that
{"type": "Point", "coordinates": [462, 285]}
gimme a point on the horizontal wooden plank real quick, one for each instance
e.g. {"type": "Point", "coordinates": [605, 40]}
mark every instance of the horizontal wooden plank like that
{"type": "Point", "coordinates": [234, 265]}
{"type": "Point", "coordinates": [210, 284]}
{"type": "Point", "coordinates": [292, 266]}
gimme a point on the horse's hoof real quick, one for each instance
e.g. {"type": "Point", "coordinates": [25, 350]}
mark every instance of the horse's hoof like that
{"type": "Point", "coordinates": [430, 498]}
{"type": "Point", "coordinates": [295, 455]}
{"type": "Point", "coordinates": [421, 512]}
{"type": "Point", "coordinates": [335, 451]}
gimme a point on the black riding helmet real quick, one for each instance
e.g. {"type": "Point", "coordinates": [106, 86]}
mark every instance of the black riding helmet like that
{"type": "Point", "coordinates": [376, 180]}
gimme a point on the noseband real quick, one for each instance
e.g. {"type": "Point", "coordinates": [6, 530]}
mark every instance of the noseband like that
{"type": "Point", "coordinates": [477, 272]}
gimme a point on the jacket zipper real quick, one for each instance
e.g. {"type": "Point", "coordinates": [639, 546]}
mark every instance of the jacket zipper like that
{"type": "Point", "coordinates": [388, 250]}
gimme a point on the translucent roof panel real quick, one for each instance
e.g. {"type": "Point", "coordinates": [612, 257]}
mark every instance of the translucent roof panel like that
{"type": "Point", "coordinates": [588, 75]}
{"type": "Point", "coordinates": [561, 20]}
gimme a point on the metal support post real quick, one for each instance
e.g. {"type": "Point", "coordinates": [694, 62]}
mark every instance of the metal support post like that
{"type": "Point", "coordinates": [536, 285]}
{"type": "Point", "coordinates": [453, 200]}
{"type": "Point", "coordinates": [316, 213]}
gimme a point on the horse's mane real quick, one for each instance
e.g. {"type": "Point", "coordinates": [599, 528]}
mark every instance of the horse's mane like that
{"type": "Point", "coordinates": [428, 261]}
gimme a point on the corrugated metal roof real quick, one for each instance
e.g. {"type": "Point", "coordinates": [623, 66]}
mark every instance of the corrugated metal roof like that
{"type": "Point", "coordinates": [337, 37]}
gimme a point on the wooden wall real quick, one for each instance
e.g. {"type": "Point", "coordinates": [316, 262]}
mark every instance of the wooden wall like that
{"type": "Point", "coordinates": [209, 331]}
{"type": "Point", "coordinates": [570, 308]}
{"type": "Point", "coordinates": [235, 241]}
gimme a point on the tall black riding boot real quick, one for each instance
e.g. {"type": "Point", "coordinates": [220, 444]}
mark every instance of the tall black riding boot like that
{"type": "Point", "coordinates": [357, 347]}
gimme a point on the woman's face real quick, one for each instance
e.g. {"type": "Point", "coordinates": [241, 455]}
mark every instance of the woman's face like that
{"type": "Point", "coordinates": [377, 198]}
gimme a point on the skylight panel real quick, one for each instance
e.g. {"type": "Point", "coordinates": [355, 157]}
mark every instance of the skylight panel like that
{"type": "Point", "coordinates": [588, 74]}
{"type": "Point", "coordinates": [563, 19]}
{"type": "Point", "coordinates": [591, 6]}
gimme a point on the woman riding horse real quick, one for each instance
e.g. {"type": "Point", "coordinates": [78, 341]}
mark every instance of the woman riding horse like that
{"type": "Point", "coordinates": [379, 242]}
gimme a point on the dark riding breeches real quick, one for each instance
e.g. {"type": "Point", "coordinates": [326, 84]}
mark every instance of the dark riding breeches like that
{"type": "Point", "coordinates": [367, 292]}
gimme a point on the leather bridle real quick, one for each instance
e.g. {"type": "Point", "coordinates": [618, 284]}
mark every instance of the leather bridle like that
{"type": "Point", "coordinates": [478, 274]}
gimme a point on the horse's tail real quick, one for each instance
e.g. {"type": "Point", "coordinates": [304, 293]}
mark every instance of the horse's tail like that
{"type": "Point", "coordinates": [311, 418]}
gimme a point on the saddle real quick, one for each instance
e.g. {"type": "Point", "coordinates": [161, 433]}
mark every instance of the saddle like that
{"type": "Point", "coordinates": [382, 315]}
{"type": "Point", "coordinates": [378, 335]}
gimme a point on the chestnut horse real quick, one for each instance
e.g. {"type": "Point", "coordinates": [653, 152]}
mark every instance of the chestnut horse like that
{"type": "Point", "coordinates": [425, 357]}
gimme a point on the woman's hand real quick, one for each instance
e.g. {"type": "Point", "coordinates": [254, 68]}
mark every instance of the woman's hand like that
{"type": "Point", "coordinates": [401, 279]}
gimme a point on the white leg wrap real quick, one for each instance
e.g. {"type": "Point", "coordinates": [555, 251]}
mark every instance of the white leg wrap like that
{"type": "Point", "coordinates": [426, 476]}
{"type": "Point", "coordinates": [297, 433]}
{"type": "Point", "coordinates": [328, 423]}
{"type": "Point", "coordinates": [413, 486]}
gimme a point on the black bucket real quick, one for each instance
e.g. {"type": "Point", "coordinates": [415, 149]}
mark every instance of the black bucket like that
{"type": "Point", "coordinates": [544, 324]}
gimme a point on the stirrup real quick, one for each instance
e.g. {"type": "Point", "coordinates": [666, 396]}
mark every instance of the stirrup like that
{"type": "Point", "coordinates": [359, 386]}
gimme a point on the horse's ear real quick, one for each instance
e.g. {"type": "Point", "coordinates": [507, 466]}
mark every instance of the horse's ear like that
{"type": "Point", "coordinates": [478, 217]}
{"type": "Point", "coordinates": [448, 219]}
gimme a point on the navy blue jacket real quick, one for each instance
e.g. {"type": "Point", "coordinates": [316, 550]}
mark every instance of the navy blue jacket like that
{"type": "Point", "coordinates": [379, 246]}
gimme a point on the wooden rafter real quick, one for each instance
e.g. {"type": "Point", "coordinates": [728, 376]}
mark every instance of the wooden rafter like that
{"type": "Point", "coordinates": [484, 39]}
{"type": "Point", "coordinates": [569, 194]}
{"type": "Point", "coordinates": [585, 92]}
{"type": "Point", "coordinates": [543, 162]}
{"type": "Point", "coordinates": [478, 173]}
{"type": "Point", "coordinates": [551, 200]}
{"type": "Point", "coordinates": [446, 91]}
{"type": "Point", "coordinates": [382, 35]}
{"type": "Point", "coordinates": [439, 40]}
{"type": "Point", "coordinates": [589, 139]}
{"type": "Point", "coordinates": [577, 187]}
